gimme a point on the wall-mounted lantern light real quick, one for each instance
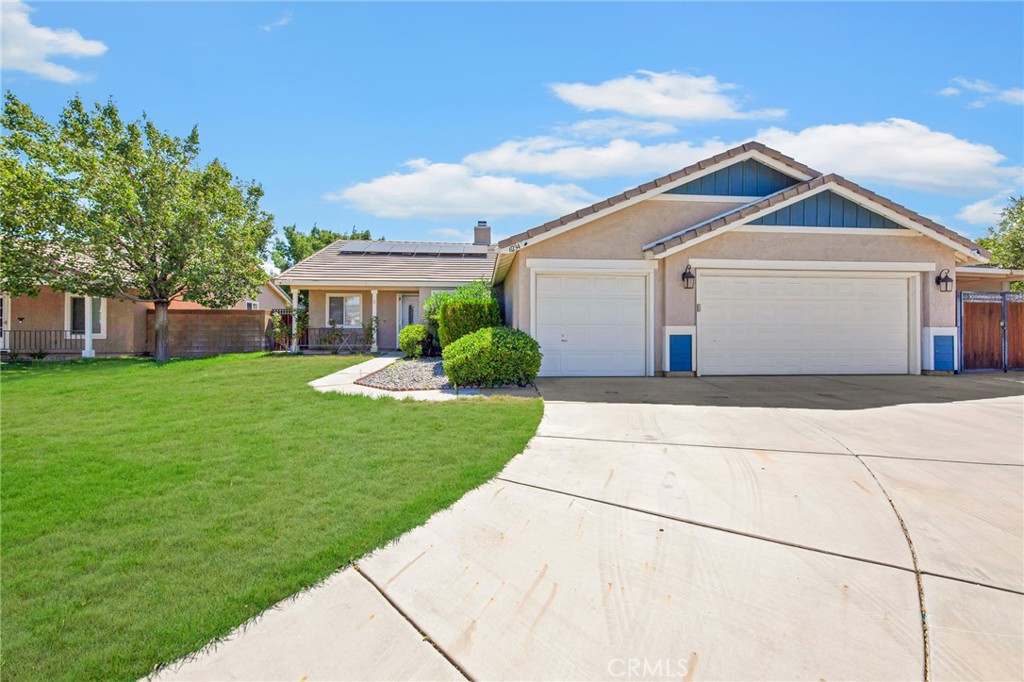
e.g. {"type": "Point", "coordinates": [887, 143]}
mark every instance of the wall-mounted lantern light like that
{"type": "Point", "coordinates": [688, 278]}
{"type": "Point", "coordinates": [944, 281]}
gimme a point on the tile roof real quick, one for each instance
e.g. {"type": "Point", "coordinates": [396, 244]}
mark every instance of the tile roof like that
{"type": "Point", "coordinates": [358, 262]}
{"type": "Point", "coordinates": [721, 221]}
{"type": "Point", "coordinates": [659, 182]}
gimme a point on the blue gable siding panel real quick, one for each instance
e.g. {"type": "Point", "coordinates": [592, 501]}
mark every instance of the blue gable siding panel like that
{"type": "Point", "coordinates": [748, 178]}
{"type": "Point", "coordinates": [826, 209]}
{"type": "Point", "coordinates": [680, 353]}
{"type": "Point", "coordinates": [943, 349]}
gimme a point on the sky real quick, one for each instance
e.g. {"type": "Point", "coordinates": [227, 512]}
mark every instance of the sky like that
{"type": "Point", "coordinates": [416, 120]}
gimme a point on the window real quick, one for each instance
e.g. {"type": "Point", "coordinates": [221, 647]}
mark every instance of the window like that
{"type": "Point", "coordinates": [252, 305]}
{"type": "Point", "coordinates": [74, 316]}
{"type": "Point", "coordinates": [344, 310]}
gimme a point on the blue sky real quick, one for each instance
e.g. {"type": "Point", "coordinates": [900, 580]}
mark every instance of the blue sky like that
{"type": "Point", "coordinates": [415, 120]}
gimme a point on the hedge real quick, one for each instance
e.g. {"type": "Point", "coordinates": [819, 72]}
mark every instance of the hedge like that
{"type": "Point", "coordinates": [479, 290]}
{"type": "Point", "coordinates": [414, 340]}
{"type": "Point", "coordinates": [492, 357]}
{"type": "Point", "coordinates": [458, 318]}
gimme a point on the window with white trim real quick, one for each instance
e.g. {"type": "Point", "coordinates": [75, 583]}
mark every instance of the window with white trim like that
{"type": "Point", "coordinates": [344, 310]}
{"type": "Point", "coordinates": [252, 305]}
{"type": "Point", "coordinates": [74, 316]}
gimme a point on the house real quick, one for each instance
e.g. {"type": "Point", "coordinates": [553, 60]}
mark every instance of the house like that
{"type": "Point", "coordinates": [351, 282]}
{"type": "Point", "coordinates": [748, 262]}
{"type": "Point", "coordinates": [53, 322]}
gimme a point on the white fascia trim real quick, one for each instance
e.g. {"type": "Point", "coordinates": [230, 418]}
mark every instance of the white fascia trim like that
{"type": "Point", "coordinates": [672, 330]}
{"type": "Point", "coordinates": [279, 291]}
{"type": "Point", "coordinates": [739, 158]}
{"type": "Point", "coordinates": [705, 198]}
{"type": "Point", "coordinates": [928, 345]}
{"type": "Point", "coordinates": [859, 231]}
{"type": "Point", "coordinates": [815, 265]}
{"type": "Point", "coordinates": [363, 284]}
{"type": "Point", "coordinates": [594, 265]}
{"type": "Point", "coordinates": [985, 271]}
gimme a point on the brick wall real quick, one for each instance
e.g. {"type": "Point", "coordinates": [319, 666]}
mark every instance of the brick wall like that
{"type": "Point", "coordinates": [210, 332]}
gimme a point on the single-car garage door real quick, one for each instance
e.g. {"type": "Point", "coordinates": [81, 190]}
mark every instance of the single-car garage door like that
{"type": "Point", "coordinates": [592, 325]}
{"type": "Point", "coordinates": [763, 324]}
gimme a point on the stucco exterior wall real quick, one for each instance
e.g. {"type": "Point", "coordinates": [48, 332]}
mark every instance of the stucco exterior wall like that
{"type": "Point", "coordinates": [267, 299]}
{"type": "Point", "coordinates": [387, 310]}
{"type": "Point", "coordinates": [622, 235]}
{"type": "Point", "coordinates": [938, 309]}
{"type": "Point", "coordinates": [46, 312]}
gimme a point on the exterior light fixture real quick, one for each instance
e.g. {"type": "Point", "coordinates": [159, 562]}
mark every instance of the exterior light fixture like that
{"type": "Point", "coordinates": [944, 281]}
{"type": "Point", "coordinates": [688, 278]}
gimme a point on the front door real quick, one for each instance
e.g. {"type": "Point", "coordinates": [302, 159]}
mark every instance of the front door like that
{"type": "Point", "coordinates": [408, 310]}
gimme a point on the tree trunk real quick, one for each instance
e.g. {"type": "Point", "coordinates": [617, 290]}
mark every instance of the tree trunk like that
{"type": "Point", "coordinates": [161, 352]}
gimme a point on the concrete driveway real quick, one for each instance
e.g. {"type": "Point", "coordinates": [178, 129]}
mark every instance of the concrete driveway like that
{"type": "Point", "coordinates": [741, 528]}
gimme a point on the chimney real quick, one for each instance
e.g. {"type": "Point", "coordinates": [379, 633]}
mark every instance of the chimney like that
{"type": "Point", "coordinates": [482, 233]}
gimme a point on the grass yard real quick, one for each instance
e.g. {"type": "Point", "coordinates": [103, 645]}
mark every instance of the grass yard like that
{"type": "Point", "coordinates": [148, 509]}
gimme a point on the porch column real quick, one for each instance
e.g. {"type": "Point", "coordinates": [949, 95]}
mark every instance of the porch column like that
{"type": "Point", "coordinates": [295, 320]}
{"type": "Point", "coordinates": [373, 313]}
{"type": "Point", "coordinates": [88, 352]}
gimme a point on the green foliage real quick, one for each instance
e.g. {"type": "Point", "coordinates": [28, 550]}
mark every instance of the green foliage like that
{"type": "Point", "coordinates": [298, 246]}
{"type": "Point", "coordinates": [370, 331]}
{"type": "Point", "coordinates": [1005, 241]}
{"type": "Point", "coordinates": [414, 340]}
{"type": "Point", "coordinates": [281, 326]}
{"type": "Point", "coordinates": [478, 290]}
{"type": "Point", "coordinates": [458, 318]}
{"type": "Point", "coordinates": [96, 205]}
{"type": "Point", "coordinates": [492, 357]}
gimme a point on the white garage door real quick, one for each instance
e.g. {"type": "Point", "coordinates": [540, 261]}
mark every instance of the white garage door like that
{"type": "Point", "coordinates": [761, 324]}
{"type": "Point", "coordinates": [592, 325]}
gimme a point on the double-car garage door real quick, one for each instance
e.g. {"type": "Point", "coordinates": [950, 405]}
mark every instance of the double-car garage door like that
{"type": "Point", "coordinates": [748, 323]}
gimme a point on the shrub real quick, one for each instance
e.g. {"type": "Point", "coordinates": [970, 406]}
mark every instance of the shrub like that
{"type": "Point", "coordinates": [281, 326]}
{"type": "Point", "coordinates": [492, 357]}
{"type": "Point", "coordinates": [458, 318]}
{"type": "Point", "coordinates": [478, 290]}
{"type": "Point", "coordinates": [414, 340]}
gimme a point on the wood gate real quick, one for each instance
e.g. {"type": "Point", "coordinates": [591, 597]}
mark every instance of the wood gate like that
{"type": "Point", "coordinates": [991, 327]}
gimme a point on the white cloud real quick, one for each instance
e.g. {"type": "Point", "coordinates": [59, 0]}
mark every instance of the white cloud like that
{"type": "Point", "coordinates": [565, 158]}
{"type": "Point", "coordinates": [26, 47]}
{"type": "Point", "coordinates": [670, 95]}
{"type": "Point", "coordinates": [444, 190]}
{"type": "Point", "coordinates": [895, 152]}
{"type": "Point", "coordinates": [595, 128]}
{"type": "Point", "coordinates": [284, 20]}
{"type": "Point", "coordinates": [984, 93]}
{"type": "Point", "coordinates": [987, 211]}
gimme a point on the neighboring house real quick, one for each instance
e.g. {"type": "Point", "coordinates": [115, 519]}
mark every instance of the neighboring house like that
{"type": "Point", "coordinates": [54, 322]}
{"type": "Point", "coordinates": [351, 281]}
{"type": "Point", "coordinates": [749, 262]}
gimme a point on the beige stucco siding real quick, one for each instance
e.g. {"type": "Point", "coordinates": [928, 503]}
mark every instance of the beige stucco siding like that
{"type": "Point", "coordinates": [387, 310]}
{"type": "Point", "coordinates": [938, 309]}
{"type": "Point", "coordinates": [623, 234]}
{"type": "Point", "coordinates": [125, 320]}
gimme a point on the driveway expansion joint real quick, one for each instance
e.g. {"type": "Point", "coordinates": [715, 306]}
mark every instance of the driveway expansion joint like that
{"type": "Point", "coordinates": [426, 637]}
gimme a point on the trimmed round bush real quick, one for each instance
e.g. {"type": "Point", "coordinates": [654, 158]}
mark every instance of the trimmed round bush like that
{"type": "Point", "coordinates": [492, 357]}
{"type": "Point", "coordinates": [458, 318]}
{"type": "Point", "coordinates": [414, 340]}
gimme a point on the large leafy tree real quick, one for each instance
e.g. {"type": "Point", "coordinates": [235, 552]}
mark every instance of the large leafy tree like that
{"type": "Point", "coordinates": [98, 206]}
{"type": "Point", "coordinates": [297, 246]}
{"type": "Point", "coordinates": [1005, 240]}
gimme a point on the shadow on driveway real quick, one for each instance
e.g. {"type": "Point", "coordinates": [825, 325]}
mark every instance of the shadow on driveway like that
{"type": "Point", "coordinates": [796, 392]}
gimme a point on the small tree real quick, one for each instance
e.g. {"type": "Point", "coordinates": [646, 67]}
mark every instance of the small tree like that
{"type": "Point", "coordinates": [1005, 241]}
{"type": "Point", "coordinates": [100, 207]}
{"type": "Point", "coordinates": [297, 246]}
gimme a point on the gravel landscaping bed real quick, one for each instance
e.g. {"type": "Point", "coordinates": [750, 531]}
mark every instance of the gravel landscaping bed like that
{"type": "Point", "coordinates": [409, 375]}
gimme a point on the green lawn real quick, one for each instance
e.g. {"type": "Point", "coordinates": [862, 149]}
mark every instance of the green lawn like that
{"type": "Point", "coordinates": [148, 509]}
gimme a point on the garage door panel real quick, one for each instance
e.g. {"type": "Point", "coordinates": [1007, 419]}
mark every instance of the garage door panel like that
{"type": "Point", "coordinates": [592, 325]}
{"type": "Point", "coordinates": [803, 325]}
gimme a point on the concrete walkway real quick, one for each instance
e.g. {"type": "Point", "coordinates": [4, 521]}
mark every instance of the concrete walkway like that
{"type": "Point", "coordinates": [754, 528]}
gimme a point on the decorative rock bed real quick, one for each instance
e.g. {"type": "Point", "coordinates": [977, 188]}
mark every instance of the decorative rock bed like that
{"type": "Point", "coordinates": [409, 375]}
